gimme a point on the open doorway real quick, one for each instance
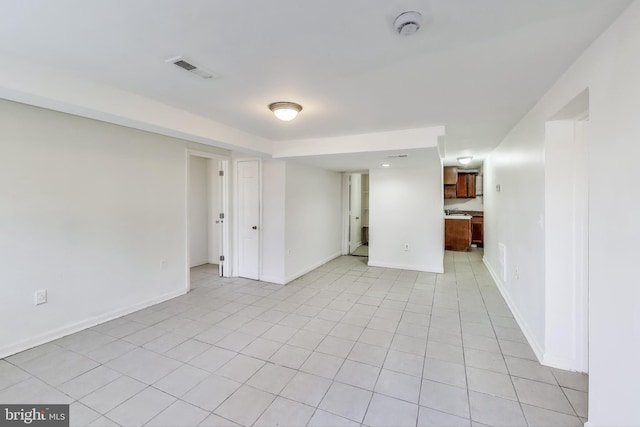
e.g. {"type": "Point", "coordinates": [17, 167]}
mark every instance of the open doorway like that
{"type": "Point", "coordinates": [567, 237]}
{"type": "Point", "coordinates": [358, 210]}
{"type": "Point", "coordinates": [206, 211]}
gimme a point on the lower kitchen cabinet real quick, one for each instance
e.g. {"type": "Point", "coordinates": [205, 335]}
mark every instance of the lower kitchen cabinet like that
{"type": "Point", "coordinates": [457, 234]}
{"type": "Point", "coordinates": [477, 231]}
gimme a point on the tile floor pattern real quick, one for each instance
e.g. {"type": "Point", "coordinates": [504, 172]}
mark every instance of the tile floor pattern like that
{"type": "Point", "coordinates": [345, 345]}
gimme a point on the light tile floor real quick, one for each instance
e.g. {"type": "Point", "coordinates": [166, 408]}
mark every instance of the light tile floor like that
{"type": "Point", "coordinates": [344, 345]}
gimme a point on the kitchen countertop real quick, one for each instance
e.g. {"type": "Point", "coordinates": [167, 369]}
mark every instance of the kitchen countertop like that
{"type": "Point", "coordinates": [472, 213]}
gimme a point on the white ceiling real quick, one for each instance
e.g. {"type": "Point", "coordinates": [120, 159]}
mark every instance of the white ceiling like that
{"type": "Point", "coordinates": [475, 66]}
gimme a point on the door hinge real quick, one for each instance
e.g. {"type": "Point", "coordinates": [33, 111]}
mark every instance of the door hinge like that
{"type": "Point", "coordinates": [220, 173]}
{"type": "Point", "coordinates": [221, 257]}
{"type": "Point", "coordinates": [221, 216]}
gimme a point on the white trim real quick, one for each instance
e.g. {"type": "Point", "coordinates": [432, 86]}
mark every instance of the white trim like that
{"type": "Point", "coordinates": [273, 279]}
{"type": "Point", "coordinates": [206, 154]}
{"type": "Point", "coordinates": [560, 362]}
{"type": "Point", "coordinates": [84, 324]}
{"type": "Point", "coordinates": [312, 267]}
{"type": "Point", "coordinates": [535, 346]}
{"type": "Point", "coordinates": [425, 268]}
{"type": "Point", "coordinates": [346, 217]}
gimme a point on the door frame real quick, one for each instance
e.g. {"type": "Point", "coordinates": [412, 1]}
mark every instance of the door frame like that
{"type": "Point", "coordinates": [346, 213]}
{"type": "Point", "coordinates": [236, 214]}
{"type": "Point", "coordinates": [224, 207]}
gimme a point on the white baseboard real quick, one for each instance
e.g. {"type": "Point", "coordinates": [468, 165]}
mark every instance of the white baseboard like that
{"type": "Point", "coordinates": [425, 268]}
{"type": "Point", "coordinates": [535, 346]}
{"type": "Point", "coordinates": [312, 267]}
{"type": "Point", "coordinates": [198, 263]}
{"type": "Point", "coordinates": [561, 363]}
{"type": "Point", "coordinates": [63, 331]}
{"type": "Point", "coordinates": [272, 279]}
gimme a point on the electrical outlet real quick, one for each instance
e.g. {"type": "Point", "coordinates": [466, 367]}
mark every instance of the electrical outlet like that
{"type": "Point", "coordinates": [406, 246]}
{"type": "Point", "coordinates": [163, 265]}
{"type": "Point", "coordinates": [41, 297]}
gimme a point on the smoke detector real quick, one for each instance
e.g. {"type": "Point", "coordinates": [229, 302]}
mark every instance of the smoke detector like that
{"type": "Point", "coordinates": [408, 23]}
{"type": "Point", "coordinates": [189, 66]}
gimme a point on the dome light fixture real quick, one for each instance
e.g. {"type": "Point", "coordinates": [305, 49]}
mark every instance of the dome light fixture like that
{"type": "Point", "coordinates": [285, 111]}
{"type": "Point", "coordinates": [465, 160]}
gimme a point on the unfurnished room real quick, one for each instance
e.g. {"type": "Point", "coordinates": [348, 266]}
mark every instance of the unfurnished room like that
{"type": "Point", "coordinates": [295, 213]}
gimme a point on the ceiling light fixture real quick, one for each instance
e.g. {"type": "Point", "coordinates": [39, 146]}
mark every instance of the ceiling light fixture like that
{"type": "Point", "coordinates": [385, 165]}
{"type": "Point", "coordinates": [465, 160]}
{"type": "Point", "coordinates": [285, 111]}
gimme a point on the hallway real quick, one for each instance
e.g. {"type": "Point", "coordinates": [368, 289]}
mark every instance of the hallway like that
{"type": "Point", "coordinates": [344, 345]}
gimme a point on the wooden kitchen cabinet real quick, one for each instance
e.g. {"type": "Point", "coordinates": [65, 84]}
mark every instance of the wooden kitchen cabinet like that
{"type": "Point", "coordinates": [457, 234]}
{"type": "Point", "coordinates": [477, 231]}
{"type": "Point", "coordinates": [450, 181]}
{"type": "Point", "coordinates": [450, 175]}
{"type": "Point", "coordinates": [466, 186]}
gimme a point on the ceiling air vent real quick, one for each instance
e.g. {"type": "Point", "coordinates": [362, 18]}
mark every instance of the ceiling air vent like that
{"type": "Point", "coordinates": [184, 64]}
{"type": "Point", "coordinates": [398, 156]}
{"type": "Point", "coordinates": [192, 68]}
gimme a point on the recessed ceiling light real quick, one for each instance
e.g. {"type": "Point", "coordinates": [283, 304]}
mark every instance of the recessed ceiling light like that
{"type": "Point", "coordinates": [285, 111]}
{"type": "Point", "coordinates": [465, 160]}
{"type": "Point", "coordinates": [385, 165]}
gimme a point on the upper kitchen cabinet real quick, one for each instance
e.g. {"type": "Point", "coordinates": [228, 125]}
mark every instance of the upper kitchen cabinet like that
{"type": "Point", "coordinates": [450, 181]}
{"type": "Point", "coordinates": [466, 186]}
{"type": "Point", "coordinates": [450, 175]}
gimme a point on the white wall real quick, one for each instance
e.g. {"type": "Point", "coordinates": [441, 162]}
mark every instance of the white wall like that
{"type": "Point", "coordinates": [198, 211]}
{"type": "Point", "coordinates": [405, 206]}
{"type": "Point", "coordinates": [273, 221]}
{"type": "Point", "coordinates": [355, 217]}
{"type": "Point", "coordinates": [313, 218]}
{"type": "Point", "coordinates": [94, 213]}
{"type": "Point", "coordinates": [514, 216]}
{"type": "Point", "coordinates": [465, 204]}
{"type": "Point", "coordinates": [609, 68]}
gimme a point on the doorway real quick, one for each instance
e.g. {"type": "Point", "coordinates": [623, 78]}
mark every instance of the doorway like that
{"type": "Point", "coordinates": [207, 233]}
{"type": "Point", "coordinates": [566, 235]}
{"type": "Point", "coordinates": [357, 236]}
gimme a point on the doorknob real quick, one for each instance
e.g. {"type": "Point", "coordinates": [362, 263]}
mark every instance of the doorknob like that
{"type": "Point", "coordinates": [255, 227]}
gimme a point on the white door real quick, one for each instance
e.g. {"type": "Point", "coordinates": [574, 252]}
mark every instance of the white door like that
{"type": "Point", "coordinates": [249, 219]}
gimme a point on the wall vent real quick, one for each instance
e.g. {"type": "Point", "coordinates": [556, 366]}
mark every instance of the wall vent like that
{"type": "Point", "coordinates": [189, 66]}
{"type": "Point", "coordinates": [502, 261]}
